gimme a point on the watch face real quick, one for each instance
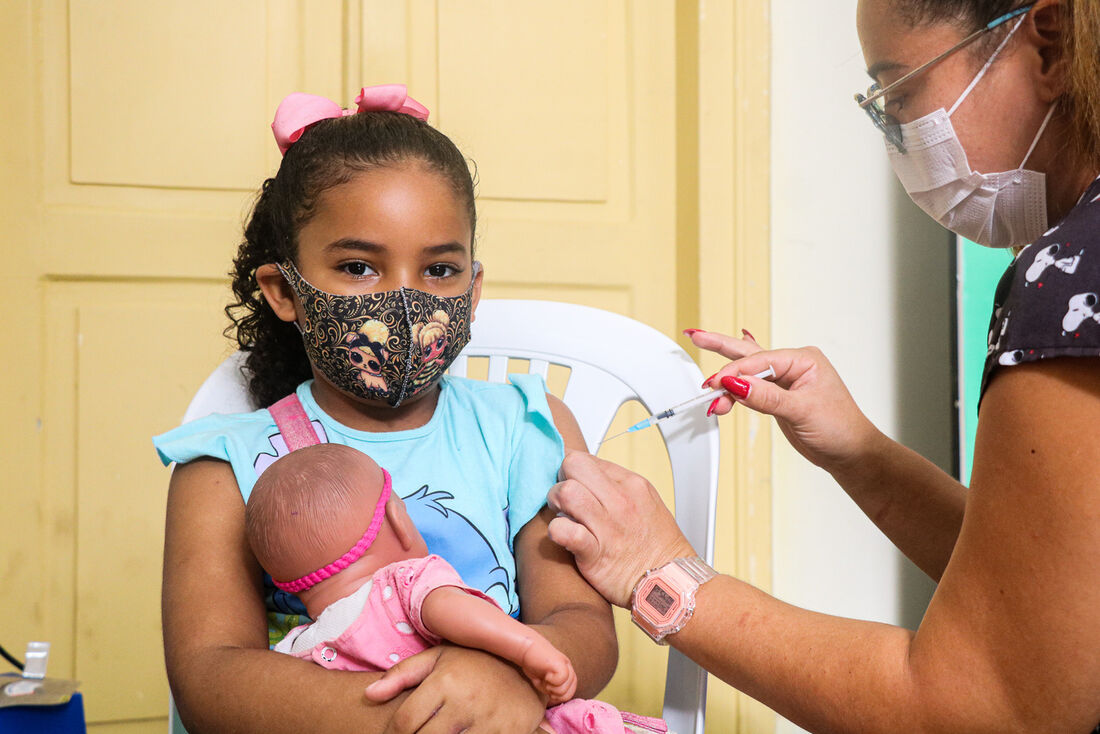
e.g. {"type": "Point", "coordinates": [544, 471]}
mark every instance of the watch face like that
{"type": "Point", "coordinates": [660, 600]}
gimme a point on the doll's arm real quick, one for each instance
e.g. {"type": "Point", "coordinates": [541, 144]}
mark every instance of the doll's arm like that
{"type": "Point", "coordinates": [471, 621]}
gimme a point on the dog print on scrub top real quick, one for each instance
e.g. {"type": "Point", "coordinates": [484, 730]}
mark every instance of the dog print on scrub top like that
{"type": "Point", "coordinates": [382, 346]}
{"type": "Point", "coordinates": [1047, 303]}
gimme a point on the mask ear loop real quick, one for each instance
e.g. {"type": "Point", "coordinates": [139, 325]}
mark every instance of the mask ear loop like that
{"type": "Point", "coordinates": [989, 63]}
{"type": "Point", "coordinates": [293, 287]}
{"type": "Point", "coordinates": [1038, 135]}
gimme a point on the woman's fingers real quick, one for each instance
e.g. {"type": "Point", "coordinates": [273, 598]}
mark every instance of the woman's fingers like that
{"type": "Point", "coordinates": [760, 395]}
{"type": "Point", "coordinates": [406, 674]}
{"type": "Point", "coordinates": [574, 537]}
{"type": "Point", "coordinates": [615, 524]}
{"type": "Point", "coordinates": [729, 347]}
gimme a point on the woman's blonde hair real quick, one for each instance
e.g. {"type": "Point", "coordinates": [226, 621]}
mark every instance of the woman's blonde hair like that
{"type": "Point", "coordinates": [1084, 76]}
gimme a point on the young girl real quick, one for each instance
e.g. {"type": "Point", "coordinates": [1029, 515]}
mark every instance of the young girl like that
{"type": "Point", "coordinates": [355, 288]}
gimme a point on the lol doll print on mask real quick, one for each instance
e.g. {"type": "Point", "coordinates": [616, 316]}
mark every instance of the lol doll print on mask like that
{"type": "Point", "coordinates": [385, 346]}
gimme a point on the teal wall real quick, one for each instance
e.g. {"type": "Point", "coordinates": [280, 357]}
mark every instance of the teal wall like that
{"type": "Point", "coordinates": [979, 271]}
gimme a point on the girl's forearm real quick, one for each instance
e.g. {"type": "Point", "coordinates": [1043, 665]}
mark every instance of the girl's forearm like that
{"type": "Point", "coordinates": [587, 637]}
{"type": "Point", "coordinates": [215, 690]}
{"type": "Point", "coordinates": [917, 505]}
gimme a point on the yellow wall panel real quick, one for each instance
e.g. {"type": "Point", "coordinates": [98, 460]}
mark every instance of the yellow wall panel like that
{"type": "Point", "coordinates": [22, 549]}
{"type": "Point", "coordinates": [128, 356]}
{"type": "Point", "coordinates": [525, 87]}
{"type": "Point", "coordinates": [154, 83]}
{"type": "Point", "coordinates": [607, 298]}
{"type": "Point", "coordinates": [141, 726]}
{"type": "Point", "coordinates": [79, 242]}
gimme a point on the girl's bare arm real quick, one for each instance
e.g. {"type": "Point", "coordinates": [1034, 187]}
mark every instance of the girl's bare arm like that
{"type": "Point", "coordinates": [555, 598]}
{"type": "Point", "coordinates": [223, 676]}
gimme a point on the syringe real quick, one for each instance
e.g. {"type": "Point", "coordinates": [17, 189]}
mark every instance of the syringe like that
{"type": "Point", "coordinates": [665, 415]}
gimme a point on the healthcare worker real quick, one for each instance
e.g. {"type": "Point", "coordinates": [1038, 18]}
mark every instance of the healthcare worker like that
{"type": "Point", "coordinates": [1011, 639]}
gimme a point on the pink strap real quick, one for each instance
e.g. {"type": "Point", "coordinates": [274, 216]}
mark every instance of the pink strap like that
{"type": "Point", "coordinates": [353, 555]}
{"type": "Point", "coordinates": [293, 423]}
{"type": "Point", "coordinates": [299, 110]}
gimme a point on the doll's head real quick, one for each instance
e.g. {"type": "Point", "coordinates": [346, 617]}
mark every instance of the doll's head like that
{"type": "Point", "coordinates": [323, 519]}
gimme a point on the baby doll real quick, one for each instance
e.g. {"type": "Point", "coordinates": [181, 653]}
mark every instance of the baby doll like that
{"type": "Point", "coordinates": [386, 598]}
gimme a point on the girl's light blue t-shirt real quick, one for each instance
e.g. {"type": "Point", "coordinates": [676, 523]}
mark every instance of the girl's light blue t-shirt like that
{"type": "Point", "coordinates": [471, 477]}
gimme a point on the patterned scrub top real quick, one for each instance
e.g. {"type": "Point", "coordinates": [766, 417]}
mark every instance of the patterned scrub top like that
{"type": "Point", "coordinates": [1047, 303]}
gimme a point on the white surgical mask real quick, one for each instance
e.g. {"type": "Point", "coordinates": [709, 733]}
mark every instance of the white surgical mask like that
{"type": "Point", "coordinates": [994, 209]}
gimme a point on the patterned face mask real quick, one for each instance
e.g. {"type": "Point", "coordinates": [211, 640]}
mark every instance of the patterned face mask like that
{"type": "Point", "coordinates": [382, 346]}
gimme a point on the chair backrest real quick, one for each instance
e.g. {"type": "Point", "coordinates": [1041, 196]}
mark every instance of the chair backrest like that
{"type": "Point", "coordinates": [612, 359]}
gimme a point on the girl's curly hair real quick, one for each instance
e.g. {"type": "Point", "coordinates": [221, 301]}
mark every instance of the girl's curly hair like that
{"type": "Point", "coordinates": [328, 154]}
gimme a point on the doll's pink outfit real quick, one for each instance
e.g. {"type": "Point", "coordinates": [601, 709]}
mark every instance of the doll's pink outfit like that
{"type": "Point", "coordinates": [380, 624]}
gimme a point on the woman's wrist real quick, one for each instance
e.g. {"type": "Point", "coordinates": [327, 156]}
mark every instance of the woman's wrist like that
{"type": "Point", "coordinates": [853, 470]}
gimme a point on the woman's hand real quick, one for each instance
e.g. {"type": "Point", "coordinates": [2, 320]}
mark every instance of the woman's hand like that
{"type": "Point", "coordinates": [458, 689]}
{"type": "Point", "coordinates": [810, 403]}
{"type": "Point", "coordinates": [614, 523]}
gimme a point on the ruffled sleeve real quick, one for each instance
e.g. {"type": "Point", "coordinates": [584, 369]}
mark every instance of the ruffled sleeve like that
{"type": "Point", "coordinates": [228, 437]}
{"type": "Point", "coordinates": [537, 453]}
{"type": "Point", "coordinates": [204, 437]}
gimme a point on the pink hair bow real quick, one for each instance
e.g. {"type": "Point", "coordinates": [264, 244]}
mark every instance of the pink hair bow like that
{"type": "Point", "coordinates": [298, 111]}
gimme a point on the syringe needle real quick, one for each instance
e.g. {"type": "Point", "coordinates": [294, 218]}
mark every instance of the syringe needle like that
{"type": "Point", "coordinates": [621, 433]}
{"type": "Point", "coordinates": [675, 409]}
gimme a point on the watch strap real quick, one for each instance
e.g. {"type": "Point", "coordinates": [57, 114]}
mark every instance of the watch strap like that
{"type": "Point", "coordinates": [687, 573]}
{"type": "Point", "coordinates": [697, 569]}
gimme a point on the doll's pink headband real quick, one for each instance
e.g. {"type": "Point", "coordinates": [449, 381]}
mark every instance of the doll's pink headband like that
{"type": "Point", "coordinates": [353, 555]}
{"type": "Point", "coordinates": [298, 111]}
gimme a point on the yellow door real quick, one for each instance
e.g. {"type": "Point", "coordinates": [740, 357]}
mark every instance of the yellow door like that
{"type": "Point", "coordinates": [135, 135]}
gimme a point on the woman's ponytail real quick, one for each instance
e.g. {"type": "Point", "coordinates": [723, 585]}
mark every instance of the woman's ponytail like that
{"type": "Point", "coordinates": [1084, 76]}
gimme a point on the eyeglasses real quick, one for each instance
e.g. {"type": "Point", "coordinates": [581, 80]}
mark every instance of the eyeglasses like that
{"type": "Point", "coordinates": [872, 104]}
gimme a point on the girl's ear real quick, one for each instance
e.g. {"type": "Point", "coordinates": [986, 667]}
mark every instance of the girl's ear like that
{"type": "Point", "coordinates": [277, 292]}
{"type": "Point", "coordinates": [401, 523]}
{"type": "Point", "coordinates": [1047, 27]}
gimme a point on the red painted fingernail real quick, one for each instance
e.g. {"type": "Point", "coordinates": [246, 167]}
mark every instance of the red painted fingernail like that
{"type": "Point", "coordinates": [709, 379]}
{"type": "Point", "coordinates": [736, 387]}
{"type": "Point", "coordinates": [745, 333]}
{"type": "Point", "coordinates": [690, 332]}
{"type": "Point", "coordinates": [710, 410]}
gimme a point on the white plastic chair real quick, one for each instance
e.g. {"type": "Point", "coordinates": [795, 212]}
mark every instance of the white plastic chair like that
{"type": "Point", "coordinates": [612, 360]}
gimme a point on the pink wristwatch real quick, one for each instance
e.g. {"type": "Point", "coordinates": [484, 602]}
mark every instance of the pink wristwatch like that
{"type": "Point", "coordinates": [664, 599]}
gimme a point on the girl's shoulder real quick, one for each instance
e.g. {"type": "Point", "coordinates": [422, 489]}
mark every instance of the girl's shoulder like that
{"type": "Point", "coordinates": [212, 436]}
{"type": "Point", "coordinates": [521, 399]}
{"type": "Point", "coordinates": [521, 391]}
{"type": "Point", "coordinates": [492, 409]}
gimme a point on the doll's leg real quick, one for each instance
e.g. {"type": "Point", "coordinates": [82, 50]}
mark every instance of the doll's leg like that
{"type": "Point", "coordinates": [471, 621]}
